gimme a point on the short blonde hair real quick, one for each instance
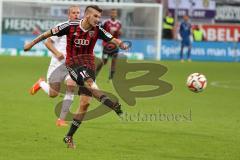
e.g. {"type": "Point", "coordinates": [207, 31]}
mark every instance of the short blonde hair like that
{"type": "Point", "coordinates": [72, 6]}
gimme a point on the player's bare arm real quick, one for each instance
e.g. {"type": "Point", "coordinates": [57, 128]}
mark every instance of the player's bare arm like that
{"type": "Point", "coordinates": [40, 38]}
{"type": "Point", "coordinates": [119, 43]}
{"type": "Point", "coordinates": [49, 44]}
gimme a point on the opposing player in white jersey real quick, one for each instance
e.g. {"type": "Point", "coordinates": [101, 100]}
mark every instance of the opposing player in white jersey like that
{"type": "Point", "coordinates": [57, 72]}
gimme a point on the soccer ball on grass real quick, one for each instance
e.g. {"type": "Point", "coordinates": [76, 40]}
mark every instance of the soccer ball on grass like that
{"type": "Point", "coordinates": [196, 82]}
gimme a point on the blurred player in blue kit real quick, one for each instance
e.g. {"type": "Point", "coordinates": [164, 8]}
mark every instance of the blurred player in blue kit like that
{"type": "Point", "coordinates": [185, 33]}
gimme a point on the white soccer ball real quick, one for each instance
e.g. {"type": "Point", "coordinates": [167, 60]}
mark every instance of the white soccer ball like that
{"type": "Point", "coordinates": [196, 82]}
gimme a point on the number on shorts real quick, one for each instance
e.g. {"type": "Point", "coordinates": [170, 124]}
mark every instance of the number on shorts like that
{"type": "Point", "coordinates": [84, 74]}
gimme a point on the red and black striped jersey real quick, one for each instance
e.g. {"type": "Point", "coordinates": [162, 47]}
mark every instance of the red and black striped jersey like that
{"type": "Point", "coordinates": [80, 42]}
{"type": "Point", "coordinates": [113, 27]}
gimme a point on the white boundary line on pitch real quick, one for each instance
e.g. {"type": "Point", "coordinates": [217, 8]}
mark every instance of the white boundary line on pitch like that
{"type": "Point", "coordinates": [226, 84]}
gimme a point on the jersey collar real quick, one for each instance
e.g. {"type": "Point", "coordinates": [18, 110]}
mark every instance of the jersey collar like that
{"type": "Point", "coordinates": [80, 25]}
{"type": "Point", "coordinates": [114, 22]}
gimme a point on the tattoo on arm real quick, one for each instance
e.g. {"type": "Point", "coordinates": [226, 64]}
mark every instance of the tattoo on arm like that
{"type": "Point", "coordinates": [42, 37]}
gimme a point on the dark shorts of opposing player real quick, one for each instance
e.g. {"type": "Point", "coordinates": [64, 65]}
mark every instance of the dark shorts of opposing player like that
{"type": "Point", "coordinates": [110, 50]}
{"type": "Point", "coordinates": [186, 42]}
{"type": "Point", "coordinates": [80, 74]}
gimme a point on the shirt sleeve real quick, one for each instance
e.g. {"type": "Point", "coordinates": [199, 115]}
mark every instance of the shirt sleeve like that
{"type": "Point", "coordinates": [60, 30]}
{"type": "Point", "coordinates": [104, 35]}
{"type": "Point", "coordinates": [54, 38]}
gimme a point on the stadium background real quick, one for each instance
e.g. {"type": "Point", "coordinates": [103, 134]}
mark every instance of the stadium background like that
{"type": "Point", "coordinates": [211, 130]}
{"type": "Point", "coordinates": [19, 27]}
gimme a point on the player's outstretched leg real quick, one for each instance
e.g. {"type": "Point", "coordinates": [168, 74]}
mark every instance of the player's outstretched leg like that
{"type": "Point", "coordinates": [99, 95]}
{"type": "Point", "coordinates": [77, 120]}
{"type": "Point", "coordinates": [51, 89]}
{"type": "Point", "coordinates": [67, 101]}
{"type": "Point", "coordinates": [86, 78]}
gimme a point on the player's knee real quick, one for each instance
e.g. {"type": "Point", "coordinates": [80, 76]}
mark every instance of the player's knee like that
{"type": "Point", "coordinates": [69, 96]}
{"type": "Point", "coordinates": [84, 105]}
{"type": "Point", "coordinates": [70, 88]}
{"type": "Point", "coordinates": [71, 83]}
{"type": "Point", "coordinates": [54, 90]}
{"type": "Point", "coordinates": [91, 84]}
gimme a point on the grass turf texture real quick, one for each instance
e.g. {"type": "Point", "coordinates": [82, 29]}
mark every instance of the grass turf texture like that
{"type": "Point", "coordinates": [28, 128]}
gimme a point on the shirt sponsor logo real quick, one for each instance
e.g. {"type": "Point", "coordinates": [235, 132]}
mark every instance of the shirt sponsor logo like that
{"type": "Point", "coordinates": [81, 42]}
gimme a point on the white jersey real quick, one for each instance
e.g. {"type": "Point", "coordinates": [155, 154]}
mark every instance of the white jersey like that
{"type": "Point", "coordinates": [60, 44]}
{"type": "Point", "coordinates": [56, 71]}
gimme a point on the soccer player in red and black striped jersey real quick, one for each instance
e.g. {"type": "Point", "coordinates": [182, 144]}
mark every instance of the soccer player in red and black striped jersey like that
{"type": "Point", "coordinates": [81, 39]}
{"type": "Point", "coordinates": [113, 26]}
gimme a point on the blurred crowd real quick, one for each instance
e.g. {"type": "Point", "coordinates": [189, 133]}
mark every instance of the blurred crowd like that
{"type": "Point", "coordinates": [173, 31]}
{"type": "Point", "coordinates": [215, 20]}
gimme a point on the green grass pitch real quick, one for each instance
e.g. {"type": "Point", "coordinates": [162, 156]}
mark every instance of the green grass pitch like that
{"type": "Point", "coordinates": [212, 132]}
